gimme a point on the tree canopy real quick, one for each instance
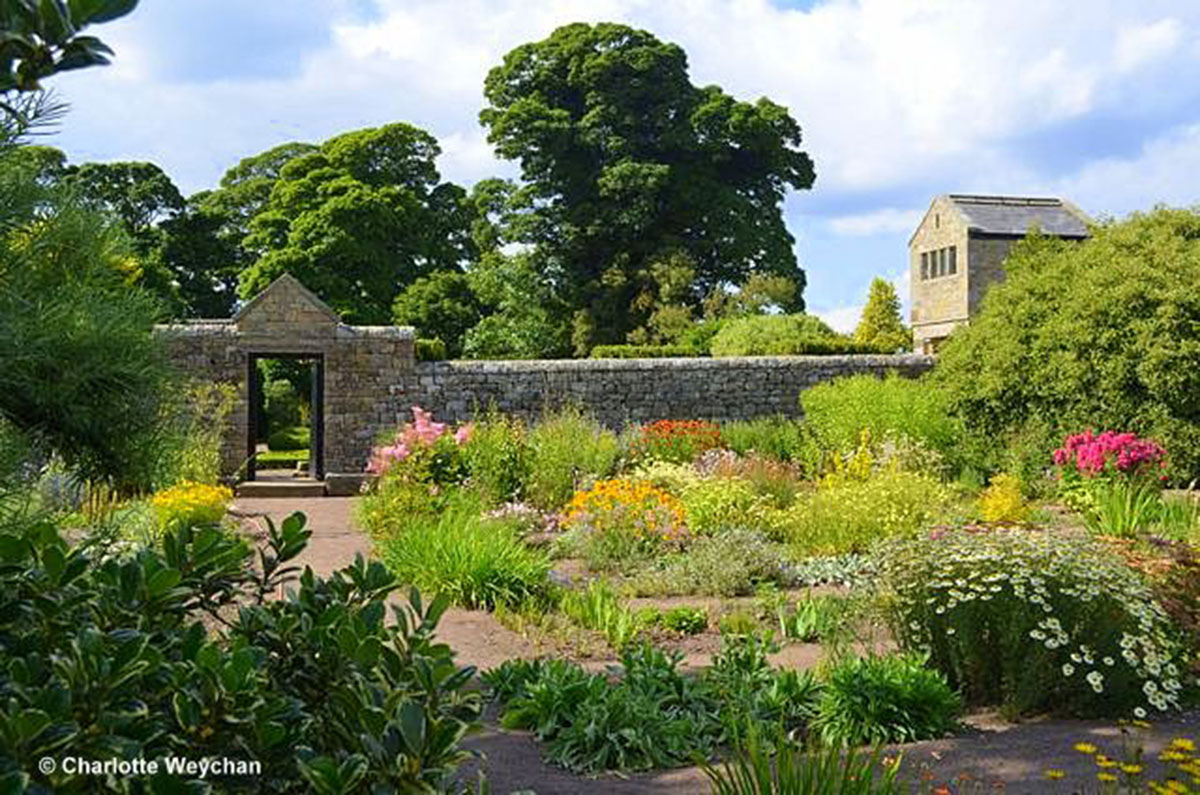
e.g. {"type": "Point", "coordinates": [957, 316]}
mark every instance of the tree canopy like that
{"type": "Point", "coordinates": [358, 219]}
{"type": "Point", "coordinates": [880, 325]}
{"type": "Point", "coordinates": [625, 164]}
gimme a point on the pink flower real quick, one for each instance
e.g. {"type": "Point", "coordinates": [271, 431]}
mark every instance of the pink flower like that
{"type": "Point", "coordinates": [463, 434]}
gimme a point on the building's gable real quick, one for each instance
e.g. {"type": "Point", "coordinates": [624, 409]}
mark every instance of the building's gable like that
{"type": "Point", "coordinates": [285, 306]}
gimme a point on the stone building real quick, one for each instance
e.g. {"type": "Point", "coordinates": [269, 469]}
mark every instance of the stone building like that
{"type": "Point", "coordinates": [959, 248]}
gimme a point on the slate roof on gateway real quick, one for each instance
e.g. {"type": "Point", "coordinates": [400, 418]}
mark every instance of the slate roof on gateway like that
{"type": "Point", "coordinates": [1016, 215]}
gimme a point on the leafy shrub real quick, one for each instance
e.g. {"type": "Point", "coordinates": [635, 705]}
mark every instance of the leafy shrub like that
{"type": "Point", "coordinates": [473, 561]}
{"type": "Point", "coordinates": [812, 618]}
{"type": "Point", "coordinates": [568, 449]}
{"type": "Point", "coordinates": [729, 564]}
{"type": "Point", "coordinates": [1102, 333]}
{"type": "Point", "coordinates": [671, 477]}
{"type": "Point", "coordinates": [757, 769]}
{"type": "Point", "coordinates": [751, 695]}
{"type": "Point", "coordinates": [643, 351]}
{"type": "Point", "coordinates": [496, 456]}
{"type": "Point", "coordinates": [874, 700]}
{"type": "Point", "coordinates": [1001, 501]}
{"type": "Point", "coordinates": [196, 423]}
{"type": "Point", "coordinates": [282, 404]}
{"type": "Point", "coordinates": [686, 620]}
{"type": "Point", "coordinates": [618, 522]}
{"type": "Point", "coordinates": [312, 685]}
{"type": "Point", "coordinates": [781, 335]}
{"type": "Point", "coordinates": [780, 438]}
{"type": "Point", "coordinates": [677, 441]}
{"type": "Point", "coordinates": [289, 438]}
{"type": "Point", "coordinates": [1033, 621]}
{"type": "Point", "coordinates": [652, 717]}
{"type": "Point", "coordinates": [191, 504]}
{"type": "Point", "coordinates": [777, 481]}
{"type": "Point", "coordinates": [393, 501]}
{"type": "Point", "coordinates": [837, 412]}
{"type": "Point", "coordinates": [852, 515]}
{"type": "Point", "coordinates": [738, 623]}
{"type": "Point", "coordinates": [716, 504]}
{"type": "Point", "coordinates": [598, 607]}
{"type": "Point", "coordinates": [429, 349]}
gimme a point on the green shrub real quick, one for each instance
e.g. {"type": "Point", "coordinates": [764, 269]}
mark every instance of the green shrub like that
{"type": "Point", "coordinates": [729, 564]}
{"type": "Point", "coordinates": [851, 516]}
{"type": "Point", "coordinates": [838, 411]}
{"type": "Point", "coordinates": [781, 335]}
{"type": "Point", "coordinates": [497, 456]}
{"type": "Point", "coordinates": [289, 438]}
{"type": "Point", "coordinates": [1104, 333]}
{"type": "Point", "coordinates": [568, 449]}
{"type": "Point", "coordinates": [429, 349]}
{"type": "Point", "coordinates": [813, 618]}
{"type": "Point", "coordinates": [197, 421]}
{"type": "Point", "coordinates": [282, 405]}
{"type": "Point", "coordinates": [303, 684]}
{"type": "Point", "coordinates": [643, 351]}
{"type": "Point", "coordinates": [1033, 621]}
{"type": "Point", "coordinates": [716, 504]}
{"type": "Point", "coordinates": [686, 620]}
{"type": "Point", "coordinates": [475, 562]}
{"type": "Point", "coordinates": [892, 699]}
{"type": "Point", "coordinates": [751, 695]}
{"type": "Point", "coordinates": [780, 438]}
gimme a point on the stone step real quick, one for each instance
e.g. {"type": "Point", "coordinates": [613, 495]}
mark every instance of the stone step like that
{"type": "Point", "coordinates": [280, 488]}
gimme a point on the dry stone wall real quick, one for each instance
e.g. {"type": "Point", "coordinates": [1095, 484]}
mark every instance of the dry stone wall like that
{"type": "Point", "coordinates": [618, 391]}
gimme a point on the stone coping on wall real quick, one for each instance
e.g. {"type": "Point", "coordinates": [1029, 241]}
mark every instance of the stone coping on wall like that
{"type": "Point", "coordinates": [722, 363]}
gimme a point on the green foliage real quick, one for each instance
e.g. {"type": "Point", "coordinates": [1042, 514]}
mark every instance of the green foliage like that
{"type": "Point", "coordinates": [107, 654]}
{"type": "Point", "coordinates": [738, 623]}
{"type": "Point", "coordinates": [598, 607]}
{"type": "Point", "coordinates": [63, 299]}
{"type": "Point", "coordinates": [894, 407]}
{"type": "Point", "coordinates": [729, 564]}
{"type": "Point", "coordinates": [751, 695]}
{"type": "Point", "coordinates": [1032, 620]}
{"type": "Point", "coordinates": [875, 700]}
{"type": "Point", "coordinates": [525, 319]}
{"type": "Point", "coordinates": [686, 620]}
{"type": "Point", "coordinates": [643, 351]}
{"type": "Point", "coordinates": [359, 219]}
{"type": "Point", "coordinates": [757, 769]}
{"type": "Point", "coordinates": [282, 405]}
{"type": "Point", "coordinates": [778, 335]}
{"type": "Point", "coordinates": [295, 437]}
{"type": "Point", "coordinates": [848, 570]}
{"type": "Point", "coordinates": [1123, 509]}
{"type": "Point", "coordinates": [568, 449]}
{"type": "Point", "coordinates": [441, 305]}
{"type": "Point", "coordinates": [42, 39]}
{"type": "Point", "coordinates": [474, 562]}
{"type": "Point", "coordinates": [627, 165]}
{"type": "Point", "coordinates": [813, 618]}
{"type": "Point", "coordinates": [880, 326]}
{"type": "Point", "coordinates": [430, 349]}
{"type": "Point", "coordinates": [196, 423]}
{"type": "Point", "coordinates": [851, 516]}
{"type": "Point", "coordinates": [1100, 334]}
{"type": "Point", "coordinates": [779, 438]}
{"type": "Point", "coordinates": [497, 456]}
{"type": "Point", "coordinates": [716, 504]}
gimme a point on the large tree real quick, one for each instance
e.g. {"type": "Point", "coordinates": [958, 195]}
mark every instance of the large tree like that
{"type": "Point", "coordinates": [627, 164]}
{"type": "Point", "coordinates": [880, 324]}
{"type": "Point", "coordinates": [359, 219]}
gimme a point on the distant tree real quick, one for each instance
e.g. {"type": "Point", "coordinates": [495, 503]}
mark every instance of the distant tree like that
{"type": "Point", "coordinates": [880, 324]}
{"type": "Point", "coordinates": [203, 259]}
{"type": "Point", "coordinates": [526, 318]}
{"type": "Point", "coordinates": [359, 219]}
{"type": "Point", "coordinates": [441, 305]}
{"type": "Point", "coordinates": [140, 194]}
{"type": "Point", "coordinates": [626, 163]}
{"type": "Point", "coordinates": [39, 39]}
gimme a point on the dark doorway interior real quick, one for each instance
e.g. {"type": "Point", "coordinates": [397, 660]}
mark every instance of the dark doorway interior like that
{"type": "Point", "coordinates": [286, 428]}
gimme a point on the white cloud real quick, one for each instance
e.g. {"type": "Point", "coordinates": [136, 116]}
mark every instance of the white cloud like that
{"type": "Point", "coordinates": [885, 220]}
{"type": "Point", "coordinates": [841, 318]}
{"type": "Point", "coordinates": [1138, 45]}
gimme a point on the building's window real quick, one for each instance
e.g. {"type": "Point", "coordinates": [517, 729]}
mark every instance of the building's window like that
{"type": "Point", "coordinates": [941, 255]}
{"type": "Point", "coordinates": [953, 260]}
{"type": "Point", "coordinates": [924, 266]}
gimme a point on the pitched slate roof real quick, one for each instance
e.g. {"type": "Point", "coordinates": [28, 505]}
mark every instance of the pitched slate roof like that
{"type": "Point", "coordinates": [1016, 215]}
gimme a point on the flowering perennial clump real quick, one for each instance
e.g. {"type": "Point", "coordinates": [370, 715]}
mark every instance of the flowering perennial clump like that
{"type": "Point", "coordinates": [420, 434]}
{"type": "Point", "coordinates": [1033, 620]}
{"type": "Point", "coordinates": [631, 507]}
{"type": "Point", "coordinates": [1111, 453]}
{"type": "Point", "coordinates": [191, 503]}
{"type": "Point", "coordinates": [676, 440]}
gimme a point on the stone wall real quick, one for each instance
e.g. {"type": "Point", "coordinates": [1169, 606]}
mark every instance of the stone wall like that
{"type": "Point", "coordinates": [635, 390]}
{"type": "Point", "coordinates": [938, 305]}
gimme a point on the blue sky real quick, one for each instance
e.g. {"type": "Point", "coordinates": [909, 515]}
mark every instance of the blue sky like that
{"type": "Point", "coordinates": [900, 100]}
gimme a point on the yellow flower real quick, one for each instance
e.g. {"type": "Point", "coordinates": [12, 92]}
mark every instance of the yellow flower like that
{"type": "Point", "coordinates": [1054, 774]}
{"type": "Point", "coordinates": [1085, 748]}
{"type": "Point", "coordinates": [1131, 769]}
{"type": "Point", "coordinates": [1106, 777]}
{"type": "Point", "coordinates": [1183, 744]}
{"type": "Point", "coordinates": [1104, 761]}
